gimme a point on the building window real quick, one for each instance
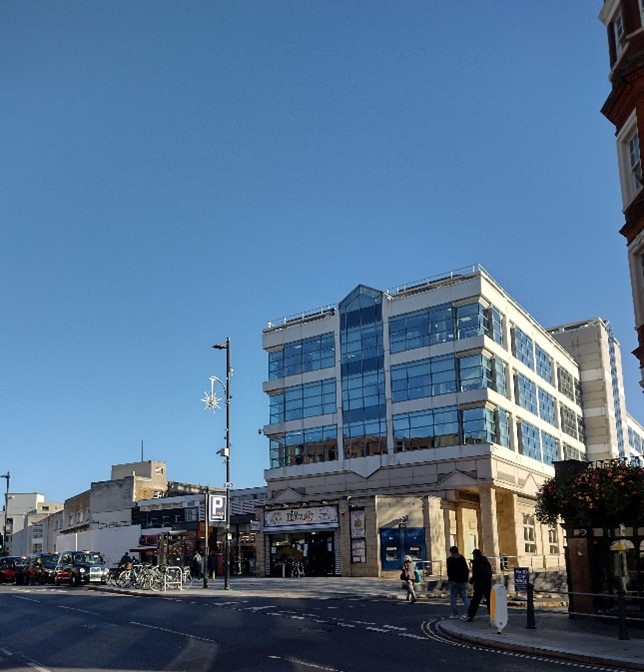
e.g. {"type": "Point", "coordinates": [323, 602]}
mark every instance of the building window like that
{"type": "Point", "coordinates": [618, 33]}
{"type": "Point", "coordinates": [529, 536]}
{"type": "Point", "coordinates": [494, 326]}
{"type": "Point", "coordinates": [630, 166]}
{"type": "Point", "coordinates": [310, 354]}
{"type": "Point", "coordinates": [479, 425]}
{"type": "Point", "coordinates": [318, 444]}
{"type": "Point", "coordinates": [423, 378]}
{"type": "Point", "coordinates": [475, 372]}
{"type": "Point", "coordinates": [426, 429]}
{"type": "Point", "coordinates": [421, 328]}
{"type": "Point", "coordinates": [499, 376]}
{"type": "Point", "coordinates": [303, 401]}
{"type": "Point", "coordinates": [544, 364]}
{"type": "Point", "coordinates": [470, 320]}
{"type": "Point", "coordinates": [526, 393]}
{"type": "Point", "coordinates": [547, 409]}
{"type": "Point", "coordinates": [529, 440]}
{"type": "Point", "coordinates": [572, 453]}
{"type": "Point", "coordinates": [523, 347]}
{"type": "Point", "coordinates": [365, 437]}
{"type": "Point", "coordinates": [549, 448]}
{"type": "Point", "coordinates": [568, 386]}
{"type": "Point", "coordinates": [553, 541]}
{"type": "Point", "coordinates": [571, 423]}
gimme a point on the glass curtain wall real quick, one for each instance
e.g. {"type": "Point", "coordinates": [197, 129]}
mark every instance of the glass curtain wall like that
{"type": "Point", "coordinates": [363, 374]}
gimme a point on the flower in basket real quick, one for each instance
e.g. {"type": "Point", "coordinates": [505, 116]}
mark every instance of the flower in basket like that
{"type": "Point", "coordinates": [612, 492]}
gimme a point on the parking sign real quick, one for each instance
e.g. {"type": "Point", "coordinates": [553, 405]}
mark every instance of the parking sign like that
{"type": "Point", "coordinates": [216, 508]}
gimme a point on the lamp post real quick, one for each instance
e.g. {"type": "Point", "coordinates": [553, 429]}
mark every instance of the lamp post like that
{"type": "Point", "coordinates": [6, 506]}
{"type": "Point", "coordinates": [212, 402]}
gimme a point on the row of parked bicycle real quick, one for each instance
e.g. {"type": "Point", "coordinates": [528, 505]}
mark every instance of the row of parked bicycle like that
{"type": "Point", "coordinates": [152, 577]}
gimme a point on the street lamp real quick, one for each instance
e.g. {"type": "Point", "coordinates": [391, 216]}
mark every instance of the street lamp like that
{"type": "Point", "coordinates": [212, 402]}
{"type": "Point", "coordinates": [6, 506]}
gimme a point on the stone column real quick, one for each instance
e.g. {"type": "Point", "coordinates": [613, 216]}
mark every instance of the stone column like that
{"type": "Point", "coordinates": [435, 526]}
{"type": "Point", "coordinates": [489, 544]}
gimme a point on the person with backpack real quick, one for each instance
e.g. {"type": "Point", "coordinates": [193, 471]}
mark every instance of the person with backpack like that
{"type": "Point", "coordinates": [408, 577]}
{"type": "Point", "coordinates": [458, 574]}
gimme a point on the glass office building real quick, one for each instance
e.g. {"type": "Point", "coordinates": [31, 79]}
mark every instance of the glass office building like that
{"type": "Point", "coordinates": [408, 420]}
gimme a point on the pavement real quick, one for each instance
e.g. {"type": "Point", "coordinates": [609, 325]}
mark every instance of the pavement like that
{"type": "Point", "coordinates": [555, 635]}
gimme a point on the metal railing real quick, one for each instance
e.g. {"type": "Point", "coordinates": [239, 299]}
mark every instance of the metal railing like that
{"type": "Point", "coordinates": [617, 613]}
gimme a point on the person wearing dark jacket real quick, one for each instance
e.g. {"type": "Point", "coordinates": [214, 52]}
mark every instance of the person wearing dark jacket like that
{"type": "Point", "coordinates": [457, 574]}
{"type": "Point", "coordinates": [482, 582]}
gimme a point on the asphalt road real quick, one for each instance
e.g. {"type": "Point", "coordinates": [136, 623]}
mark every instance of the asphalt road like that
{"type": "Point", "coordinates": [59, 629]}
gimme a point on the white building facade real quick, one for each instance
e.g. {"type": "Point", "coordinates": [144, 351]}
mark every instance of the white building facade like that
{"type": "Point", "coordinates": [410, 420]}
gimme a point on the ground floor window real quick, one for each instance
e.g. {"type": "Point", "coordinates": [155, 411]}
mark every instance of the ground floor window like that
{"type": "Point", "coordinates": [302, 554]}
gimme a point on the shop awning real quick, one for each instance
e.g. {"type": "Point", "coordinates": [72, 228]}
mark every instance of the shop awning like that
{"type": "Point", "coordinates": [138, 549]}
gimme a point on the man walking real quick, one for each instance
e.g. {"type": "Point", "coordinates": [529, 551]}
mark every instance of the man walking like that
{"type": "Point", "coordinates": [482, 581]}
{"type": "Point", "coordinates": [457, 574]}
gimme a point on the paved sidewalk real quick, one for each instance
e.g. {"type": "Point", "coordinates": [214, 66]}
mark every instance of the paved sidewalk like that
{"type": "Point", "coordinates": [556, 635]}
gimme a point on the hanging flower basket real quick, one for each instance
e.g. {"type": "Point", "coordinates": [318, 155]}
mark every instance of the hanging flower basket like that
{"type": "Point", "coordinates": [612, 492]}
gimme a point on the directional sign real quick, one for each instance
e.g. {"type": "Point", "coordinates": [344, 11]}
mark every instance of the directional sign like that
{"type": "Point", "coordinates": [216, 508]}
{"type": "Point", "coordinates": [521, 579]}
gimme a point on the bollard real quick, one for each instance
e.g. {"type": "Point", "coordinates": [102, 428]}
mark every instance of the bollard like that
{"type": "Point", "coordinates": [621, 614]}
{"type": "Point", "coordinates": [530, 624]}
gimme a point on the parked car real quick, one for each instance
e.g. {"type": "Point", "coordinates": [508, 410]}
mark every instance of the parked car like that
{"type": "Point", "coordinates": [78, 567]}
{"type": "Point", "coordinates": [40, 568]}
{"type": "Point", "coordinates": [12, 569]}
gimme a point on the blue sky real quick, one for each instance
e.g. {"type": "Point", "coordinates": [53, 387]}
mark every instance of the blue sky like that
{"type": "Point", "coordinates": [175, 173]}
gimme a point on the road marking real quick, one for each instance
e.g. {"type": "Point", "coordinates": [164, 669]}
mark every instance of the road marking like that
{"type": "Point", "coordinates": [27, 599]}
{"type": "Point", "coordinates": [304, 663]}
{"type": "Point", "coordinates": [173, 632]}
{"type": "Point", "coordinates": [81, 611]}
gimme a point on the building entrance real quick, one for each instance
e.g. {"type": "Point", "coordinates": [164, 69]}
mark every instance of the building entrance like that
{"type": "Point", "coordinates": [302, 554]}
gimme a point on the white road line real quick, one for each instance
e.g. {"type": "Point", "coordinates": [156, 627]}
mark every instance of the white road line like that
{"type": "Point", "coordinates": [173, 632]}
{"type": "Point", "coordinates": [304, 663]}
{"type": "Point", "coordinates": [80, 611]}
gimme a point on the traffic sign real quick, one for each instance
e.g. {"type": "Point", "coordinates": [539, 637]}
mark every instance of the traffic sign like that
{"type": "Point", "coordinates": [521, 579]}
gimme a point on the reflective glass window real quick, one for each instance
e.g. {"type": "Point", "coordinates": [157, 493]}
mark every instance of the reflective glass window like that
{"type": "Point", "coordinates": [318, 444]}
{"type": "Point", "coordinates": [549, 448]}
{"type": "Point", "coordinates": [544, 364]}
{"type": "Point", "coordinates": [503, 427]}
{"type": "Point", "coordinates": [303, 401]}
{"type": "Point", "coordinates": [470, 320]}
{"type": "Point", "coordinates": [529, 440]}
{"type": "Point", "coordinates": [423, 378]}
{"type": "Point", "coordinates": [547, 410]}
{"type": "Point", "coordinates": [426, 429]}
{"type": "Point", "coordinates": [475, 372]}
{"type": "Point", "coordinates": [526, 393]}
{"type": "Point", "coordinates": [494, 324]}
{"type": "Point", "coordinates": [569, 424]}
{"type": "Point", "coordinates": [310, 354]}
{"type": "Point", "coordinates": [499, 376]}
{"type": "Point", "coordinates": [523, 347]}
{"type": "Point", "coordinates": [479, 425]}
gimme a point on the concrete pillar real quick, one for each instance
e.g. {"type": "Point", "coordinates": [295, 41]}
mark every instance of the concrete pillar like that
{"type": "Point", "coordinates": [434, 525]}
{"type": "Point", "coordinates": [489, 527]}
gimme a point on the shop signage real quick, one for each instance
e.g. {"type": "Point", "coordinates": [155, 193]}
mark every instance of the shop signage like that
{"type": "Point", "coordinates": [297, 517]}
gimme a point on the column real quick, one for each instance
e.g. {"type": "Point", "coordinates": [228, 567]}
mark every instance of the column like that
{"type": "Point", "coordinates": [489, 527]}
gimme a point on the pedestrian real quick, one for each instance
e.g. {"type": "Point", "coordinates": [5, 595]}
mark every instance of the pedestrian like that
{"type": "Point", "coordinates": [457, 574]}
{"type": "Point", "coordinates": [126, 561]}
{"type": "Point", "coordinates": [212, 564]}
{"type": "Point", "coordinates": [482, 582]}
{"type": "Point", "coordinates": [196, 565]}
{"type": "Point", "coordinates": [408, 576]}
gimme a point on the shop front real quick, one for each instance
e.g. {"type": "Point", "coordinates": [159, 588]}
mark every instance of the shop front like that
{"type": "Point", "coordinates": [302, 541]}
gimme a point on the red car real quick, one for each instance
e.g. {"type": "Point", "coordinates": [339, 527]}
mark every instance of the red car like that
{"type": "Point", "coordinates": [12, 570]}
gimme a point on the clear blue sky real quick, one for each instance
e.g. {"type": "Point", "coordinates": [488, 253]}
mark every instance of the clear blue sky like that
{"type": "Point", "coordinates": [174, 173]}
